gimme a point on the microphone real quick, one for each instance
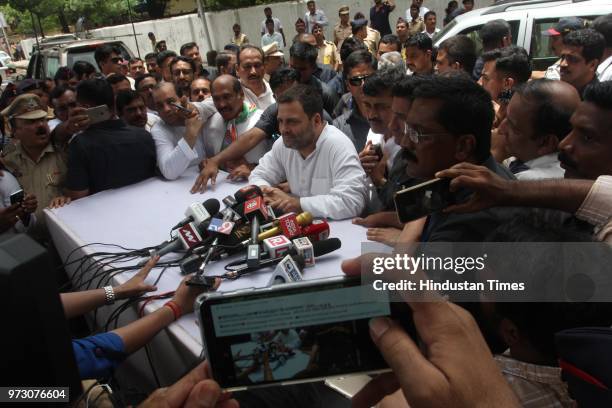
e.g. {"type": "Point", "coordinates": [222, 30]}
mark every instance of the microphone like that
{"type": "Point", "coordinates": [318, 230]}
{"type": "Point", "coordinates": [319, 248]}
{"type": "Point", "coordinates": [304, 218]}
{"type": "Point", "coordinates": [247, 193]}
{"type": "Point", "coordinates": [276, 246]}
{"type": "Point", "coordinates": [304, 247]}
{"type": "Point", "coordinates": [199, 212]}
{"type": "Point", "coordinates": [254, 211]}
{"type": "Point", "coordinates": [289, 269]}
{"type": "Point", "coordinates": [188, 236]}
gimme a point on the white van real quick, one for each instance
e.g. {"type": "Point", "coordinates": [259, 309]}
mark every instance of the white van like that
{"type": "Point", "coordinates": [527, 19]}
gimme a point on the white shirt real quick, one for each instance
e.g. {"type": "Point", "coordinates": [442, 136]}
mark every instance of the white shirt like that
{"type": "Point", "coordinates": [268, 39]}
{"type": "Point", "coordinates": [389, 147]}
{"type": "Point", "coordinates": [262, 101]}
{"type": "Point", "coordinates": [152, 119]}
{"type": "Point", "coordinates": [53, 123]}
{"type": "Point", "coordinates": [330, 181]}
{"type": "Point", "coordinates": [554, 71]}
{"type": "Point", "coordinates": [422, 12]}
{"type": "Point", "coordinates": [432, 34]}
{"type": "Point", "coordinates": [318, 17]}
{"type": "Point", "coordinates": [543, 167]}
{"type": "Point", "coordinates": [174, 155]}
{"type": "Point", "coordinates": [216, 128]}
{"type": "Point", "coordinates": [277, 25]}
{"type": "Point", "coordinates": [604, 70]}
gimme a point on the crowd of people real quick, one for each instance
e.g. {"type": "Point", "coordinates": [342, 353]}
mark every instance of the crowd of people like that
{"type": "Point", "coordinates": [337, 130]}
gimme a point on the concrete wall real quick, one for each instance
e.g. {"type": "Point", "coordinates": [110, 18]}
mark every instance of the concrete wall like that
{"type": "Point", "coordinates": [182, 29]}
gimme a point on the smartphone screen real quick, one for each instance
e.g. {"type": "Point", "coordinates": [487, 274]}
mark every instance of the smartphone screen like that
{"type": "Point", "coordinates": [295, 335]}
{"type": "Point", "coordinates": [17, 197]}
{"type": "Point", "coordinates": [423, 199]}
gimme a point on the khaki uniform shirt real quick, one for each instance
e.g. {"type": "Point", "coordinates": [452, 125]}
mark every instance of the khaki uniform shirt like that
{"type": "Point", "coordinates": [415, 27]}
{"type": "Point", "coordinates": [241, 40]}
{"type": "Point", "coordinates": [43, 178]}
{"type": "Point", "coordinates": [327, 54]}
{"type": "Point", "coordinates": [341, 33]}
{"type": "Point", "coordinates": [372, 40]}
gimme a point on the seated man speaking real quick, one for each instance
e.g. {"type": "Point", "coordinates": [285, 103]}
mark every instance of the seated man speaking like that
{"type": "Point", "coordinates": [318, 161]}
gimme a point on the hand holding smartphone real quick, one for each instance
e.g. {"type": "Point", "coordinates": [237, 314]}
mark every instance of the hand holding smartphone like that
{"type": "Point", "coordinates": [423, 199]}
{"type": "Point", "coordinates": [294, 333]}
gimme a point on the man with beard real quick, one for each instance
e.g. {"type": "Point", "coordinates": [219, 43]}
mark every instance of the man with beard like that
{"type": "Point", "coordinates": [584, 154]}
{"type": "Point", "coordinates": [183, 70]}
{"type": "Point", "coordinates": [234, 117]}
{"type": "Point", "coordinates": [580, 56]}
{"type": "Point", "coordinates": [178, 136]}
{"type": "Point", "coordinates": [37, 161]}
{"type": "Point", "coordinates": [131, 109]}
{"type": "Point", "coordinates": [192, 51]}
{"type": "Point", "coordinates": [318, 161]}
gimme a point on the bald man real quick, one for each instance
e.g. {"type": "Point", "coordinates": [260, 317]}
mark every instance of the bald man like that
{"type": "Point", "coordinates": [537, 119]}
{"type": "Point", "coordinates": [178, 135]}
{"type": "Point", "coordinates": [234, 117]}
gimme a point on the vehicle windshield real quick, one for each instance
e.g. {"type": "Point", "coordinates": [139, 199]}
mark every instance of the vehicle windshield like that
{"type": "Point", "coordinates": [443, 31]}
{"type": "Point", "coordinates": [86, 53]}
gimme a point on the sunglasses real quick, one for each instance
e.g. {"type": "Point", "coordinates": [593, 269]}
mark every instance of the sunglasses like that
{"type": "Point", "coordinates": [358, 80]}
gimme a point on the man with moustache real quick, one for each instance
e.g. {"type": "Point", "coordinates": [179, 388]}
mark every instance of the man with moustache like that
{"type": "Point", "coordinates": [37, 161]}
{"type": "Point", "coordinates": [178, 136]}
{"type": "Point", "coordinates": [131, 109]}
{"type": "Point", "coordinates": [419, 49]}
{"type": "Point", "coordinates": [448, 121]}
{"type": "Point", "coordinates": [581, 54]}
{"type": "Point", "coordinates": [234, 117]}
{"type": "Point", "coordinates": [584, 155]}
{"type": "Point", "coordinates": [145, 85]}
{"type": "Point", "coordinates": [251, 71]}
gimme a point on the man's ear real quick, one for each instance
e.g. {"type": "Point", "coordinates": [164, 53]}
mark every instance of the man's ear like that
{"type": "Point", "coordinates": [456, 65]}
{"type": "Point", "coordinates": [593, 64]}
{"type": "Point", "coordinates": [508, 83]}
{"type": "Point", "coordinates": [465, 148]}
{"type": "Point", "coordinates": [548, 144]}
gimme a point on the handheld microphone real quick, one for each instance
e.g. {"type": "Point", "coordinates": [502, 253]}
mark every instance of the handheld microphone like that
{"type": "Point", "coordinates": [304, 218]}
{"type": "Point", "coordinates": [276, 246]}
{"type": "Point", "coordinates": [188, 236]}
{"type": "Point", "coordinates": [247, 193]}
{"type": "Point", "coordinates": [199, 212]}
{"type": "Point", "coordinates": [289, 269]}
{"type": "Point", "coordinates": [304, 247]}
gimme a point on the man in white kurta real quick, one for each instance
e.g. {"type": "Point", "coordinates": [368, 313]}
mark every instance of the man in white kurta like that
{"type": "Point", "coordinates": [179, 139]}
{"type": "Point", "coordinates": [234, 116]}
{"type": "Point", "coordinates": [318, 161]}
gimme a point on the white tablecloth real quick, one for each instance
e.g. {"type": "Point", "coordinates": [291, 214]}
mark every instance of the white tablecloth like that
{"type": "Point", "coordinates": [141, 215]}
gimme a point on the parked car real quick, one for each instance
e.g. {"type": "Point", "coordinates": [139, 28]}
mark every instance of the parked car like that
{"type": "Point", "coordinates": [527, 19]}
{"type": "Point", "coordinates": [44, 62]}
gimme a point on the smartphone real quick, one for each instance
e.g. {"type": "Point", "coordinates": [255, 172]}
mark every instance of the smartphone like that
{"type": "Point", "coordinates": [180, 107]}
{"type": "Point", "coordinates": [378, 150]}
{"type": "Point", "coordinates": [17, 197]}
{"type": "Point", "coordinates": [98, 114]}
{"type": "Point", "coordinates": [294, 332]}
{"type": "Point", "coordinates": [423, 199]}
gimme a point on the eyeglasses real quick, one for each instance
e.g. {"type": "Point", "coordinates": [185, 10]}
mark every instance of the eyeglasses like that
{"type": "Point", "coordinates": [416, 137]}
{"type": "Point", "coordinates": [358, 80]}
{"type": "Point", "coordinates": [64, 108]}
{"type": "Point", "coordinates": [117, 60]}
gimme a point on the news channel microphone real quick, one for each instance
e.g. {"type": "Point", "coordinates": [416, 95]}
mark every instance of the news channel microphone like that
{"type": "Point", "coordinates": [247, 193]}
{"type": "Point", "coordinates": [187, 237]}
{"type": "Point", "coordinates": [289, 269]}
{"type": "Point", "coordinates": [199, 212]}
{"type": "Point", "coordinates": [302, 219]}
{"type": "Point", "coordinates": [255, 211]}
{"type": "Point", "coordinates": [317, 230]}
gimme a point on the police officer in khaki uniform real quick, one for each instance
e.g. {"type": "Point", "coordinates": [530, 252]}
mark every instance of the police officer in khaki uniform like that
{"type": "Point", "coordinates": [35, 160]}
{"type": "Point", "coordinates": [327, 49]}
{"type": "Point", "coordinates": [342, 30]}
